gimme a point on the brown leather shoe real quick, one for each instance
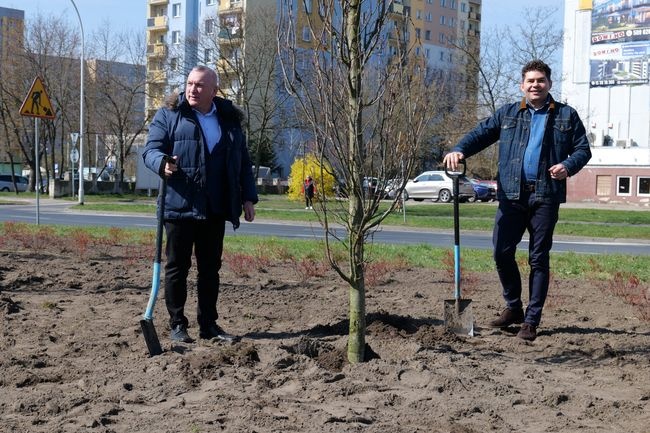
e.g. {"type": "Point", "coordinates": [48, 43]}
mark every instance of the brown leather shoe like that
{"type": "Point", "coordinates": [527, 332]}
{"type": "Point", "coordinates": [508, 317]}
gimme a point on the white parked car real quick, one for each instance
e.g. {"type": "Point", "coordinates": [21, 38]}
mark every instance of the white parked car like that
{"type": "Point", "coordinates": [436, 185]}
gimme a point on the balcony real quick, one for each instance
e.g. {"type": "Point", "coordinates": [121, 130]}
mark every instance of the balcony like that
{"type": "Point", "coordinates": [159, 76]}
{"type": "Point", "coordinates": [227, 36]}
{"type": "Point", "coordinates": [474, 16]}
{"type": "Point", "coordinates": [396, 8]}
{"type": "Point", "coordinates": [157, 50]}
{"type": "Point", "coordinates": [158, 2]}
{"type": "Point", "coordinates": [231, 6]}
{"type": "Point", "coordinates": [157, 23]}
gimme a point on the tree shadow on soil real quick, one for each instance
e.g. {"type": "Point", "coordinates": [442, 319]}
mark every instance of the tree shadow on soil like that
{"type": "Point", "coordinates": [403, 324]}
{"type": "Point", "coordinates": [576, 330]}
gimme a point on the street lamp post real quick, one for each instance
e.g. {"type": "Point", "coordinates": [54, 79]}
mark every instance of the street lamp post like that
{"type": "Point", "coordinates": [81, 112]}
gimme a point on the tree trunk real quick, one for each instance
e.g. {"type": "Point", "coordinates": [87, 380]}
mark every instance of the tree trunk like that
{"type": "Point", "coordinates": [357, 312]}
{"type": "Point", "coordinates": [357, 331]}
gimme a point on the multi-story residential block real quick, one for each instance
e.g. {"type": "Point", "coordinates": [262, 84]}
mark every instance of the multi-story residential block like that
{"type": "Point", "coordinates": [12, 29]}
{"type": "Point", "coordinates": [182, 33]}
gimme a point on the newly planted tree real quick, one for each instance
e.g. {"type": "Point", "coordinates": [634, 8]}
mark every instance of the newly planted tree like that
{"type": "Point", "coordinates": [364, 102]}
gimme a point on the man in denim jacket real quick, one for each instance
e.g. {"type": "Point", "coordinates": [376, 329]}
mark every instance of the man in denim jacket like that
{"type": "Point", "coordinates": [541, 143]}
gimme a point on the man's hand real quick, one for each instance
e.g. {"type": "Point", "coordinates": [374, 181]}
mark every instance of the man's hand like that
{"type": "Point", "coordinates": [249, 211]}
{"type": "Point", "coordinates": [451, 160]}
{"type": "Point", "coordinates": [170, 166]}
{"type": "Point", "coordinates": [558, 172]}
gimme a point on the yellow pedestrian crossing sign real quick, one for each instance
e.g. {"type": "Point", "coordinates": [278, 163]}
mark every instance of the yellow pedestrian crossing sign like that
{"type": "Point", "coordinates": [37, 103]}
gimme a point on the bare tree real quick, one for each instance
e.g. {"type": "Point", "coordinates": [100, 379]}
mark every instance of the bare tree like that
{"type": "Point", "coordinates": [504, 51]}
{"type": "Point", "coordinates": [47, 50]}
{"type": "Point", "coordinates": [116, 96]}
{"type": "Point", "coordinates": [365, 102]}
{"type": "Point", "coordinates": [247, 65]}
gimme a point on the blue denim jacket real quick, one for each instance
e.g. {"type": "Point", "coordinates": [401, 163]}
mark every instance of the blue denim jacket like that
{"type": "Point", "coordinates": [565, 142]}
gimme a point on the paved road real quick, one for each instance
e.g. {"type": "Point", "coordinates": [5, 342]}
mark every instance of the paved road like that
{"type": "Point", "coordinates": [58, 212]}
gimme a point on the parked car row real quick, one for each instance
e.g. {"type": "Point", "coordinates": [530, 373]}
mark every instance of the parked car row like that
{"type": "Point", "coordinates": [434, 185]}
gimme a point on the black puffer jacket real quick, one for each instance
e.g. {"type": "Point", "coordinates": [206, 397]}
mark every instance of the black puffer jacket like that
{"type": "Point", "coordinates": [175, 131]}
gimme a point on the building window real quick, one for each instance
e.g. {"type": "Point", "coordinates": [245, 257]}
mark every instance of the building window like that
{"type": "Point", "coordinates": [643, 187]}
{"type": "Point", "coordinates": [208, 55]}
{"type": "Point", "coordinates": [452, 4]}
{"type": "Point", "coordinates": [417, 51]}
{"type": "Point", "coordinates": [427, 53]}
{"type": "Point", "coordinates": [442, 56]}
{"type": "Point", "coordinates": [210, 2]}
{"type": "Point", "coordinates": [441, 38]}
{"type": "Point", "coordinates": [443, 3]}
{"type": "Point", "coordinates": [176, 10]}
{"type": "Point", "coordinates": [604, 186]}
{"type": "Point", "coordinates": [307, 4]}
{"type": "Point", "coordinates": [429, 17]}
{"type": "Point", "coordinates": [417, 33]}
{"type": "Point", "coordinates": [463, 7]}
{"type": "Point", "coordinates": [173, 64]}
{"type": "Point", "coordinates": [209, 27]}
{"type": "Point", "coordinates": [176, 37]}
{"type": "Point", "coordinates": [427, 35]}
{"type": "Point", "coordinates": [306, 34]}
{"type": "Point", "coordinates": [623, 187]}
{"type": "Point", "coordinates": [442, 20]}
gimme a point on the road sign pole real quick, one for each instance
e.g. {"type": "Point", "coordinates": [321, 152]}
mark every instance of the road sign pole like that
{"type": "Point", "coordinates": [37, 172]}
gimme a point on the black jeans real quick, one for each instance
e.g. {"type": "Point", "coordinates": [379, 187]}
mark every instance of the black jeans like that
{"type": "Point", "coordinates": [513, 218]}
{"type": "Point", "coordinates": [206, 238]}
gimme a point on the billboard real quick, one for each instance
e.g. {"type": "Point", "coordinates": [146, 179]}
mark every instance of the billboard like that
{"type": "Point", "coordinates": [620, 42]}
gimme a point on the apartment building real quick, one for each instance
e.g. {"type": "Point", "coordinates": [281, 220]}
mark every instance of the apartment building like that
{"type": "Point", "coordinates": [12, 29]}
{"type": "Point", "coordinates": [182, 33]}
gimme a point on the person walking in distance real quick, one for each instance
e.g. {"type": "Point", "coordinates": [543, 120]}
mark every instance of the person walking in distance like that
{"type": "Point", "coordinates": [209, 183]}
{"type": "Point", "coordinates": [541, 143]}
{"type": "Point", "coordinates": [309, 188]}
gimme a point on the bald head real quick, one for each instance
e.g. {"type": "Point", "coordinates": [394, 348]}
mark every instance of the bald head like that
{"type": "Point", "coordinates": [201, 88]}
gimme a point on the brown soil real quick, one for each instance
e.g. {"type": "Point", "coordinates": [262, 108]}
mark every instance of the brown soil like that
{"type": "Point", "coordinates": [73, 357]}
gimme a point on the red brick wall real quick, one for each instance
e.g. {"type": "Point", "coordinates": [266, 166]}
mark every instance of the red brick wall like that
{"type": "Point", "coordinates": [582, 187]}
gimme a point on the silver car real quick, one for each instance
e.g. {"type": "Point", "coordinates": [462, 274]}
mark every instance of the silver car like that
{"type": "Point", "coordinates": [6, 183]}
{"type": "Point", "coordinates": [436, 185]}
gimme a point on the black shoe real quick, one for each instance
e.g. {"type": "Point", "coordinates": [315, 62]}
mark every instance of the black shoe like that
{"type": "Point", "coordinates": [508, 317]}
{"type": "Point", "coordinates": [214, 331]}
{"type": "Point", "coordinates": [179, 333]}
{"type": "Point", "coordinates": [527, 332]}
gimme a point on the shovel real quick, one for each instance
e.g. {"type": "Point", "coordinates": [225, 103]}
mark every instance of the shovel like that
{"type": "Point", "coordinates": [148, 330]}
{"type": "Point", "coordinates": [458, 312]}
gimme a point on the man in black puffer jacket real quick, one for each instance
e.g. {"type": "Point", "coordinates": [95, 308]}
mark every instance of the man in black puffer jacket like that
{"type": "Point", "coordinates": [209, 182]}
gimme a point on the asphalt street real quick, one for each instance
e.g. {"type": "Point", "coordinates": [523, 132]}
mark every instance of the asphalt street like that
{"type": "Point", "coordinates": [58, 212]}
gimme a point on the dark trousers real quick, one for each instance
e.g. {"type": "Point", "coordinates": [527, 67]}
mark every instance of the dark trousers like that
{"type": "Point", "coordinates": [513, 218]}
{"type": "Point", "coordinates": [206, 238]}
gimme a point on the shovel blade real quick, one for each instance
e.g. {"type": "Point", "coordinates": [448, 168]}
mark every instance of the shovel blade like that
{"type": "Point", "coordinates": [458, 316]}
{"type": "Point", "coordinates": [150, 337]}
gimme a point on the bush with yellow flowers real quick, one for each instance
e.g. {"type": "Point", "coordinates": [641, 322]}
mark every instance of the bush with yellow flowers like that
{"type": "Point", "coordinates": [311, 166]}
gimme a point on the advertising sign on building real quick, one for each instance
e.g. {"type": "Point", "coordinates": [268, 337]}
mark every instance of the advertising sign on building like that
{"type": "Point", "coordinates": [620, 43]}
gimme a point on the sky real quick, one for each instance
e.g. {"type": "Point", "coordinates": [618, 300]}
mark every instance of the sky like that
{"type": "Point", "coordinates": [120, 14]}
{"type": "Point", "coordinates": [131, 14]}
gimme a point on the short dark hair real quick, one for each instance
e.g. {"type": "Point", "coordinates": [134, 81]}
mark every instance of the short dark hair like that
{"type": "Point", "coordinates": [536, 65]}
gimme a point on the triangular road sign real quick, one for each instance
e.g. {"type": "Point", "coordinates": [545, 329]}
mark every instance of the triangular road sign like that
{"type": "Point", "coordinates": [37, 103]}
